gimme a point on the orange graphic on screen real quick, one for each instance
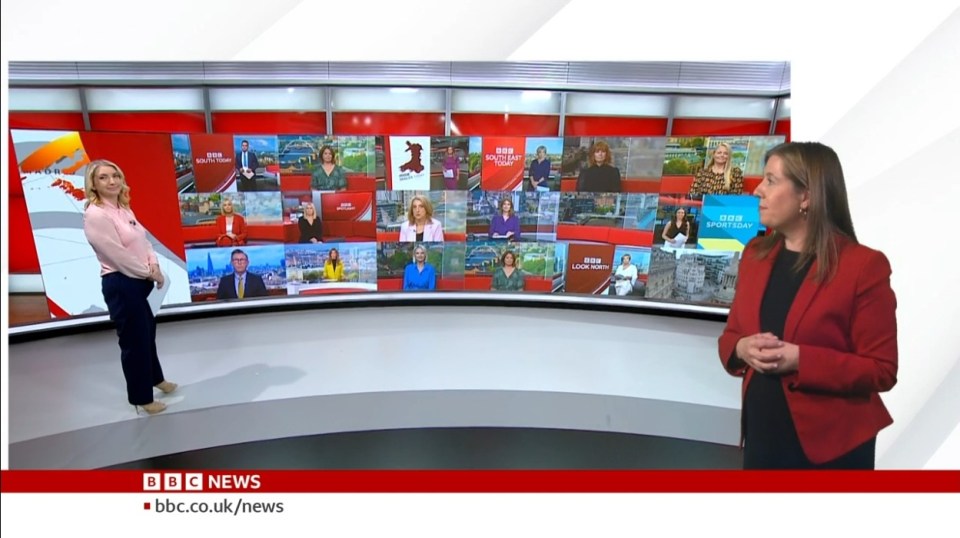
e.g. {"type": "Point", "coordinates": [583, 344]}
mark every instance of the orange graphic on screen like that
{"type": "Point", "coordinates": [414, 164]}
{"type": "Point", "coordinates": [67, 187]}
{"type": "Point", "coordinates": [65, 155]}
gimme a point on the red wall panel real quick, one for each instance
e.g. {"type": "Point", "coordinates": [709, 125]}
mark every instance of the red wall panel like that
{"type": "Point", "coordinates": [67, 121]}
{"type": "Point", "coordinates": [270, 122]}
{"type": "Point", "coordinates": [465, 124]}
{"type": "Point", "coordinates": [149, 122]}
{"type": "Point", "coordinates": [707, 127]}
{"type": "Point", "coordinates": [23, 250]}
{"type": "Point", "coordinates": [610, 126]}
{"type": "Point", "coordinates": [146, 161]}
{"type": "Point", "coordinates": [783, 128]}
{"type": "Point", "coordinates": [378, 123]}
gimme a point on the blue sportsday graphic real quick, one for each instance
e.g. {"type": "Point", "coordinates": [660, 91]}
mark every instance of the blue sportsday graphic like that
{"type": "Point", "coordinates": [729, 221]}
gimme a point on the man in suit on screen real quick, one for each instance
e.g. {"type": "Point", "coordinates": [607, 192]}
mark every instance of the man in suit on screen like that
{"type": "Point", "coordinates": [247, 165]}
{"type": "Point", "coordinates": [240, 284]}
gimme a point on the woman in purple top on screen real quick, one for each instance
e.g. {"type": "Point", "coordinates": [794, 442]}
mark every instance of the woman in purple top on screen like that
{"type": "Point", "coordinates": [506, 224]}
{"type": "Point", "coordinates": [451, 169]}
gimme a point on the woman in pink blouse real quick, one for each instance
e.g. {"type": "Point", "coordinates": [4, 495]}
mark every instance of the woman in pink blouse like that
{"type": "Point", "coordinates": [129, 271]}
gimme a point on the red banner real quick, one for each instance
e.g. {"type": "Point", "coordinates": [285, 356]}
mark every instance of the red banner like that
{"type": "Point", "coordinates": [589, 268]}
{"type": "Point", "coordinates": [546, 481]}
{"type": "Point", "coordinates": [503, 163]}
{"type": "Point", "coordinates": [213, 166]}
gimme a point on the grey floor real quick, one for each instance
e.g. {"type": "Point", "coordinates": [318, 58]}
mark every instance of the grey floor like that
{"type": "Point", "coordinates": [457, 448]}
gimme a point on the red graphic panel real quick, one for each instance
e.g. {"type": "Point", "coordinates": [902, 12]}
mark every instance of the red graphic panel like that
{"type": "Point", "coordinates": [346, 206]}
{"type": "Point", "coordinates": [588, 268]}
{"type": "Point", "coordinates": [611, 126]}
{"type": "Point", "coordinates": [153, 187]}
{"type": "Point", "coordinates": [149, 122]}
{"type": "Point", "coordinates": [58, 121]}
{"type": "Point", "coordinates": [269, 122]}
{"type": "Point", "coordinates": [710, 127]}
{"type": "Point", "coordinates": [503, 163]}
{"type": "Point", "coordinates": [213, 162]}
{"type": "Point", "coordinates": [473, 124]}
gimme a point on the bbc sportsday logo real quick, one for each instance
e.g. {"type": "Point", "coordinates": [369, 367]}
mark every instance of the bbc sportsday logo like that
{"type": "Point", "coordinates": [201, 482]}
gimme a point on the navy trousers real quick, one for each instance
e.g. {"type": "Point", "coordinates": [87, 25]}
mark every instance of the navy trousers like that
{"type": "Point", "coordinates": [127, 302]}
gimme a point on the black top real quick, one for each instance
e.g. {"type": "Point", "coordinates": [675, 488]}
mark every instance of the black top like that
{"type": "Point", "coordinates": [309, 231]}
{"type": "Point", "coordinates": [604, 178]}
{"type": "Point", "coordinates": [769, 433]}
{"type": "Point", "coordinates": [419, 236]}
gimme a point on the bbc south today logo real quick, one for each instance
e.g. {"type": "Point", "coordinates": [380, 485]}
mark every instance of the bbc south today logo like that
{"type": "Point", "coordinates": [200, 482]}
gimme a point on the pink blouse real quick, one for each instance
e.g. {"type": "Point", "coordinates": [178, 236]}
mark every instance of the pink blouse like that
{"type": "Point", "coordinates": [119, 241]}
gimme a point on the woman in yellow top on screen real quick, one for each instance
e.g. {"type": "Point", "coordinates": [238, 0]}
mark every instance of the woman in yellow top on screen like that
{"type": "Point", "coordinates": [333, 267]}
{"type": "Point", "coordinates": [719, 176]}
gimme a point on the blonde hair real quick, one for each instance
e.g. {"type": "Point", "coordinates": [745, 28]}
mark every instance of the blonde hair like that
{"type": "Point", "coordinates": [90, 188]}
{"type": "Point", "coordinates": [427, 206]}
{"type": "Point", "coordinates": [233, 209]}
{"type": "Point", "coordinates": [727, 168]}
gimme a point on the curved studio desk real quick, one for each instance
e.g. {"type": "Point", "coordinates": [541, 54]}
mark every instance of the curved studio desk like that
{"type": "Point", "coordinates": [279, 367]}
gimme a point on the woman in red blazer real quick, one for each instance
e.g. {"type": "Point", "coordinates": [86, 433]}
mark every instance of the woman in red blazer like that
{"type": "Point", "coordinates": [231, 227]}
{"type": "Point", "coordinates": [812, 328]}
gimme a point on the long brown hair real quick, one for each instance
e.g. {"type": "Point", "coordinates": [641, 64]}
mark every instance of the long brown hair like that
{"type": "Point", "coordinates": [816, 168]}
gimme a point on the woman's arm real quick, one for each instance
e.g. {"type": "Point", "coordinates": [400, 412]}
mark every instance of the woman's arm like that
{"type": "Point", "coordinates": [437, 234]}
{"type": "Point", "coordinates": [872, 364]}
{"type": "Point", "coordinates": [736, 181]}
{"type": "Point", "coordinates": [665, 230]}
{"type": "Point", "coordinates": [240, 229]}
{"type": "Point", "coordinates": [103, 236]}
{"type": "Point", "coordinates": [697, 187]}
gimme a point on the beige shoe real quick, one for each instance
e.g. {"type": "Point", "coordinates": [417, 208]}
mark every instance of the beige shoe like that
{"type": "Point", "coordinates": [167, 387]}
{"type": "Point", "coordinates": [151, 408]}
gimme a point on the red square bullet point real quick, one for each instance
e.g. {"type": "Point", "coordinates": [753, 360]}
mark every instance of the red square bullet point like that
{"type": "Point", "coordinates": [146, 506]}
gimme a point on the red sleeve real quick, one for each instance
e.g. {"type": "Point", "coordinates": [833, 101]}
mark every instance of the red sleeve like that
{"type": "Point", "coordinates": [733, 332]}
{"type": "Point", "coordinates": [240, 229]}
{"type": "Point", "coordinates": [871, 364]}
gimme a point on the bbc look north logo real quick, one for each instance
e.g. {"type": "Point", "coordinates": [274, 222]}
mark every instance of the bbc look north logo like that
{"type": "Point", "coordinates": [173, 482]}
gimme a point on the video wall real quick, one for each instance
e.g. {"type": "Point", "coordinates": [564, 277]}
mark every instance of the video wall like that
{"type": "Point", "coordinates": [645, 218]}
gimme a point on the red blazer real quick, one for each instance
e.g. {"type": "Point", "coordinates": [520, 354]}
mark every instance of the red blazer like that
{"type": "Point", "coordinates": [239, 229]}
{"type": "Point", "coordinates": [846, 328]}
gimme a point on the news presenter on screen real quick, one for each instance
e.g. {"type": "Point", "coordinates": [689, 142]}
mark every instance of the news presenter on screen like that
{"type": "Point", "coordinates": [625, 277]}
{"type": "Point", "coordinates": [231, 226]}
{"type": "Point", "coordinates": [311, 228]}
{"type": "Point", "coordinates": [505, 224]}
{"type": "Point", "coordinates": [247, 164]}
{"type": "Point", "coordinates": [451, 169]}
{"type": "Point", "coordinates": [333, 267]}
{"type": "Point", "coordinates": [719, 176]}
{"type": "Point", "coordinates": [328, 176]}
{"type": "Point", "coordinates": [240, 283]}
{"type": "Point", "coordinates": [418, 274]}
{"type": "Point", "coordinates": [812, 328]}
{"type": "Point", "coordinates": [507, 277]}
{"type": "Point", "coordinates": [600, 175]}
{"type": "Point", "coordinates": [539, 171]}
{"type": "Point", "coordinates": [676, 226]}
{"type": "Point", "coordinates": [420, 224]}
{"type": "Point", "coordinates": [129, 271]}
